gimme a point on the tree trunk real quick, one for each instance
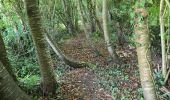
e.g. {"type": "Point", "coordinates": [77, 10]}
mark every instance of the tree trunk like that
{"type": "Point", "coordinates": [164, 67]}
{"type": "Point", "coordinates": [4, 59]}
{"type": "Point", "coordinates": [48, 76]}
{"type": "Point", "coordinates": [9, 90]}
{"type": "Point", "coordinates": [91, 15]}
{"type": "Point", "coordinates": [121, 38]}
{"type": "Point", "coordinates": [144, 54]}
{"type": "Point", "coordinates": [98, 24]}
{"type": "Point", "coordinates": [106, 35]}
{"type": "Point", "coordinates": [82, 17]}
{"type": "Point", "coordinates": [70, 62]}
{"type": "Point", "coordinates": [86, 30]}
{"type": "Point", "coordinates": [68, 15]}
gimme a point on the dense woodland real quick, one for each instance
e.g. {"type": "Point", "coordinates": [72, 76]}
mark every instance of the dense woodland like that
{"type": "Point", "coordinates": [84, 50]}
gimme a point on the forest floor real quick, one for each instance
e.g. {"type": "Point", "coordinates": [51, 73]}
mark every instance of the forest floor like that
{"type": "Point", "coordinates": [104, 80]}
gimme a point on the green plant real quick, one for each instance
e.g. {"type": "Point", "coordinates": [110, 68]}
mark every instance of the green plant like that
{"type": "Point", "coordinates": [96, 36]}
{"type": "Point", "coordinates": [30, 81]}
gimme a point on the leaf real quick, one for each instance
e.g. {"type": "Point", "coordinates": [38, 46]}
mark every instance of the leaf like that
{"type": "Point", "coordinates": [132, 14]}
{"type": "Point", "coordinates": [150, 1]}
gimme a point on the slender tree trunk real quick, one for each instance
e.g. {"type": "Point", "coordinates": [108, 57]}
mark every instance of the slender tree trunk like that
{"type": "Point", "coordinates": [86, 31]}
{"type": "Point", "coordinates": [76, 24]}
{"type": "Point", "coordinates": [168, 3]}
{"type": "Point", "coordinates": [164, 68]}
{"type": "Point", "coordinates": [4, 59]}
{"type": "Point", "coordinates": [106, 34]}
{"type": "Point", "coordinates": [82, 17]}
{"type": "Point", "coordinates": [70, 62]}
{"type": "Point", "coordinates": [68, 15]}
{"type": "Point", "coordinates": [91, 15]}
{"type": "Point", "coordinates": [121, 39]}
{"type": "Point", "coordinates": [9, 90]}
{"type": "Point", "coordinates": [48, 76]}
{"type": "Point", "coordinates": [98, 24]}
{"type": "Point", "coordinates": [144, 54]}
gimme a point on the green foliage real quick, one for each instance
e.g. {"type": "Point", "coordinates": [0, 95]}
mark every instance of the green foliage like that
{"type": "Point", "coordinates": [110, 78]}
{"type": "Point", "coordinates": [26, 70]}
{"type": "Point", "coordinates": [24, 66]}
{"type": "Point", "coordinates": [96, 36]}
{"type": "Point", "coordinates": [140, 4]}
{"type": "Point", "coordinates": [119, 13]}
{"type": "Point", "coordinates": [2, 24]}
{"type": "Point", "coordinates": [30, 81]}
{"type": "Point", "coordinates": [15, 32]}
{"type": "Point", "coordinates": [155, 38]}
{"type": "Point", "coordinates": [153, 15]}
{"type": "Point", "coordinates": [92, 66]}
{"type": "Point", "coordinates": [150, 1]}
{"type": "Point", "coordinates": [114, 38]}
{"type": "Point", "coordinates": [159, 83]}
{"type": "Point", "coordinates": [131, 39]}
{"type": "Point", "coordinates": [61, 69]}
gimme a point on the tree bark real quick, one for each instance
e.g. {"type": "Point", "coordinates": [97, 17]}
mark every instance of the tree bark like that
{"type": "Point", "coordinates": [69, 17]}
{"type": "Point", "coordinates": [9, 90]}
{"type": "Point", "coordinates": [121, 38]}
{"type": "Point", "coordinates": [48, 76]}
{"type": "Point", "coordinates": [95, 17]}
{"type": "Point", "coordinates": [4, 59]}
{"type": "Point", "coordinates": [144, 54]}
{"type": "Point", "coordinates": [84, 24]}
{"type": "Point", "coordinates": [71, 63]}
{"type": "Point", "coordinates": [86, 30]}
{"type": "Point", "coordinates": [91, 15]}
{"type": "Point", "coordinates": [164, 67]}
{"type": "Point", "coordinates": [106, 34]}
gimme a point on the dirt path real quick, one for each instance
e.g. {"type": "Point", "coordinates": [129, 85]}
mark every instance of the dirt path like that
{"type": "Point", "coordinates": [78, 49]}
{"type": "Point", "coordinates": [83, 84]}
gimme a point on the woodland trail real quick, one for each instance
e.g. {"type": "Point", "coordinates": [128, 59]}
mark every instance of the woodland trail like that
{"type": "Point", "coordinates": [78, 48]}
{"type": "Point", "coordinates": [97, 84]}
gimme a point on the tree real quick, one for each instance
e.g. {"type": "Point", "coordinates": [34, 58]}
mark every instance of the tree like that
{"type": "Point", "coordinates": [48, 76]}
{"type": "Point", "coordinates": [69, 16]}
{"type": "Point", "coordinates": [106, 34]}
{"type": "Point", "coordinates": [94, 14]}
{"type": "Point", "coordinates": [59, 53]}
{"type": "Point", "coordinates": [9, 90]}
{"type": "Point", "coordinates": [143, 53]}
{"type": "Point", "coordinates": [86, 30]}
{"type": "Point", "coordinates": [163, 49]}
{"type": "Point", "coordinates": [91, 10]}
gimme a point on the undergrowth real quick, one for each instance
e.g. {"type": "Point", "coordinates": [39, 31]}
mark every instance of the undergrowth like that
{"type": "Point", "coordinates": [122, 82]}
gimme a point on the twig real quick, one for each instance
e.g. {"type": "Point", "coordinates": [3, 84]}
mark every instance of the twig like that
{"type": "Point", "coordinates": [165, 90]}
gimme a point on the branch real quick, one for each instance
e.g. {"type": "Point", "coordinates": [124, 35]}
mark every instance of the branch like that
{"type": "Point", "coordinates": [166, 78]}
{"type": "Point", "coordinates": [168, 3]}
{"type": "Point", "coordinates": [165, 90]}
